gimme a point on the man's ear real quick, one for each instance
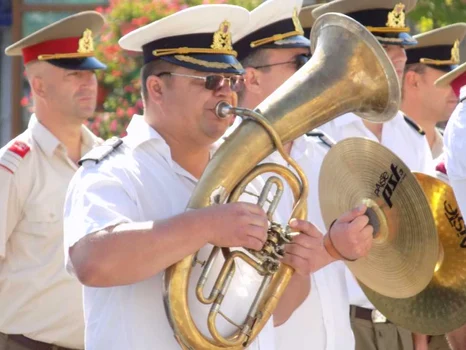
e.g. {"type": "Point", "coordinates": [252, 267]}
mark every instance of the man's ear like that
{"type": "Point", "coordinates": [253, 79]}
{"type": "Point", "coordinates": [38, 86]}
{"type": "Point", "coordinates": [411, 79]}
{"type": "Point", "coordinates": [155, 87]}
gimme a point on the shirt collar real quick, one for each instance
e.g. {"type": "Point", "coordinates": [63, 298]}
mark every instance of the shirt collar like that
{"type": "Point", "coordinates": [49, 143]}
{"type": "Point", "coordinates": [88, 139]}
{"type": "Point", "coordinates": [349, 118]}
{"type": "Point", "coordinates": [139, 131]}
{"type": "Point", "coordinates": [46, 140]}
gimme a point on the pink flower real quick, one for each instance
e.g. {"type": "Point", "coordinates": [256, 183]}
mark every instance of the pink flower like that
{"type": "Point", "coordinates": [141, 21]}
{"type": "Point", "coordinates": [131, 111]}
{"type": "Point", "coordinates": [25, 101]}
{"type": "Point", "coordinates": [120, 112]}
{"type": "Point", "coordinates": [139, 104]}
{"type": "Point", "coordinates": [113, 125]}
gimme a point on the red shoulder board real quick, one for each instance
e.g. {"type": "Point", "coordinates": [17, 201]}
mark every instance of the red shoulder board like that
{"type": "Point", "coordinates": [11, 158]}
{"type": "Point", "coordinates": [20, 148]}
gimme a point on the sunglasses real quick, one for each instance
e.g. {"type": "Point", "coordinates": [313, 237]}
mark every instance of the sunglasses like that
{"type": "Point", "coordinates": [299, 61]}
{"type": "Point", "coordinates": [215, 81]}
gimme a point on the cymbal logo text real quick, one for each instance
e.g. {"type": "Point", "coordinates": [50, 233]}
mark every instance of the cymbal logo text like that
{"type": "Point", "coordinates": [456, 221]}
{"type": "Point", "coordinates": [388, 183]}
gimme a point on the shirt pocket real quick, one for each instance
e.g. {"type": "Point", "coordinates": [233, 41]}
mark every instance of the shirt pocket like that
{"type": "Point", "coordinates": [44, 220]}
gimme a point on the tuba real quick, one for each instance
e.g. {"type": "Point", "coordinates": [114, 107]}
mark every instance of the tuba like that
{"type": "Point", "coordinates": [349, 72]}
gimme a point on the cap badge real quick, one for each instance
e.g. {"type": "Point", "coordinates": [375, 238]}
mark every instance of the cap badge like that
{"type": "Point", "coordinates": [396, 18]}
{"type": "Point", "coordinates": [222, 37]}
{"type": "Point", "coordinates": [86, 43]}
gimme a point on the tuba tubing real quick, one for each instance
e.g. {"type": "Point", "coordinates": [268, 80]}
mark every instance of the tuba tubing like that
{"type": "Point", "coordinates": [349, 72]}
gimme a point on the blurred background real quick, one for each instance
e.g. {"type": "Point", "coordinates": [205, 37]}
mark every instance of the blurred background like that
{"type": "Point", "coordinates": [119, 87]}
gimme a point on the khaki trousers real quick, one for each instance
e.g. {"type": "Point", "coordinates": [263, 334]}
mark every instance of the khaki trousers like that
{"type": "Point", "coordinates": [438, 342]}
{"type": "Point", "coordinates": [380, 336]}
{"type": "Point", "coordinates": [8, 344]}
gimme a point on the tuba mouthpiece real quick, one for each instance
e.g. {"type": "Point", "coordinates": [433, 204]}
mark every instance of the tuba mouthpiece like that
{"type": "Point", "coordinates": [223, 109]}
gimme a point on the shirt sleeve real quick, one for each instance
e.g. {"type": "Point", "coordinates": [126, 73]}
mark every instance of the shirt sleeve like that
{"type": "Point", "coordinates": [455, 148]}
{"type": "Point", "coordinates": [455, 144]}
{"type": "Point", "coordinates": [10, 208]}
{"type": "Point", "coordinates": [96, 199]}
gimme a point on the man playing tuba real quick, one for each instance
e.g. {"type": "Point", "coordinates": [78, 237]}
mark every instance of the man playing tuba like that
{"type": "Point", "coordinates": [125, 219]}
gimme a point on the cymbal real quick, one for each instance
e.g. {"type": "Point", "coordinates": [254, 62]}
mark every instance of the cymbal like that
{"type": "Point", "coordinates": [441, 307]}
{"type": "Point", "coordinates": [404, 252]}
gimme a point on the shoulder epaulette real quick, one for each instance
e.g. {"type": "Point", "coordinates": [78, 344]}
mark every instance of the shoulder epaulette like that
{"type": "Point", "coordinates": [414, 125]}
{"type": "Point", "coordinates": [13, 155]}
{"type": "Point", "coordinates": [99, 153]}
{"type": "Point", "coordinates": [322, 138]}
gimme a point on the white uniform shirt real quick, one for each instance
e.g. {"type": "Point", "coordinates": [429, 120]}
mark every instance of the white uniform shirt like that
{"type": "Point", "coordinates": [322, 321]}
{"type": "Point", "coordinates": [455, 151]}
{"type": "Point", "coordinates": [437, 147]}
{"type": "Point", "coordinates": [140, 182]}
{"type": "Point", "coordinates": [399, 137]}
{"type": "Point", "coordinates": [37, 297]}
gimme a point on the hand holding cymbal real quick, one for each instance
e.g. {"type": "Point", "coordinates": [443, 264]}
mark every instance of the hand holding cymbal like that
{"type": "Point", "coordinates": [404, 250]}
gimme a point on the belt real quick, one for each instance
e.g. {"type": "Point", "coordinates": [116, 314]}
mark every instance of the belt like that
{"type": "Point", "coordinates": [33, 344]}
{"type": "Point", "coordinates": [374, 316]}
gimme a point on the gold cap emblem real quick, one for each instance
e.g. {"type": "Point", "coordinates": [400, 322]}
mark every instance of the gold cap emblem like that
{"type": "Point", "coordinates": [396, 18]}
{"type": "Point", "coordinates": [86, 43]}
{"type": "Point", "coordinates": [297, 24]}
{"type": "Point", "coordinates": [455, 52]}
{"type": "Point", "coordinates": [222, 37]}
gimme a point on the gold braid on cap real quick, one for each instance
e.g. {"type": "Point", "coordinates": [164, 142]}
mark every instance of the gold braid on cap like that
{"type": "Point", "coordinates": [221, 45]}
{"type": "Point", "coordinates": [208, 64]}
{"type": "Point", "coordinates": [85, 49]}
{"type": "Point", "coordinates": [395, 22]}
{"type": "Point", "coordinates": [454, 60]}
{"type": "Point", "coordinates": [298, 30]}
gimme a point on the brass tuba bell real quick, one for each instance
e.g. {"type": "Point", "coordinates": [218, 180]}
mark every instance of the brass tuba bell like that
{"type": "Point", "coordinates": [349, 72]}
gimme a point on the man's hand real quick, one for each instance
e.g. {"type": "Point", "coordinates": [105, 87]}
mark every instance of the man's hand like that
{"type": "Point", "coordinates": [306, 253]}
{"type": "Point", "coordinates": [234, 225]}
{"type": "Point", "coordinates": [351, 235]}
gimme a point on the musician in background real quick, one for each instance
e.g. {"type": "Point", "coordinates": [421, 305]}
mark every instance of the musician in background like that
{"type": "Point", "coordinates": [40, 304]}
{"type": "Point", "coordinates": [436, 53]}
{"type": "Point", "coordinates": [385, 19]}
{"type": "Point", "coordinates": [271, 50]}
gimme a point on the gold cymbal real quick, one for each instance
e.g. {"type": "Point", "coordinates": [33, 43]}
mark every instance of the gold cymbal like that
{"type": "Point", "coordinates": [441, 307]}
{"type": "Point", "coordinates": [401, 261]}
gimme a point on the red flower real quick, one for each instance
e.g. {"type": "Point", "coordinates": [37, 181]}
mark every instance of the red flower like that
{"type": "Point", "coordinates": [25, 101]}
{"type": "Point", "coordinates": [113, 125]}
{"type": "Point", "coordinates": [140, 21]}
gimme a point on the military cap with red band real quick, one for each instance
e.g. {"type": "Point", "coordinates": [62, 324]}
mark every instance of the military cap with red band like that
{"type": "Point", "coordinates": [67, 43]}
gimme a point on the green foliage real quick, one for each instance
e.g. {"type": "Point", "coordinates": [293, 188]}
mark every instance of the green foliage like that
{"type": "Point", "coordinates": [430, 14]}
